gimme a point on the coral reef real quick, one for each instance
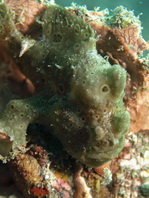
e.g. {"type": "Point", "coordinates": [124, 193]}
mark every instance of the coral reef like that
{"type": "Point", "coordinates": [70, 69]}
{"type": "Point", "coordinates": [82, 101]}
{"type": "Point", "coordinates": [131, 168]}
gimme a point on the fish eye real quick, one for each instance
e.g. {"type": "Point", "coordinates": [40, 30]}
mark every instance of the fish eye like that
{"type": "Point", "coordinates": [105, 89]}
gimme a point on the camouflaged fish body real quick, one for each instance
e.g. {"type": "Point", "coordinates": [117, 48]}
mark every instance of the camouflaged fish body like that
{"type": "Point", "coordinates": [78, 93]}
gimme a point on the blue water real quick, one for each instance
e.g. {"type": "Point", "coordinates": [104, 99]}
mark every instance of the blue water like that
{"type": "Point", "coordinates": [140, 7]}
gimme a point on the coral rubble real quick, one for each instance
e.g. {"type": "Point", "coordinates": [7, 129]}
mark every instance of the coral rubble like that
{"type": "Point", "coordinates": [131, 168]}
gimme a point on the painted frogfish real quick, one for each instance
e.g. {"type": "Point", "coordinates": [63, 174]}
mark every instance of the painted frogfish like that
{"type": "Point", "coordinates": [78, 94]}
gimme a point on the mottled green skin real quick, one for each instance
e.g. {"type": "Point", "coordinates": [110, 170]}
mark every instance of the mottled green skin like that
{"type": "Point", "coordinates": [78, 93]}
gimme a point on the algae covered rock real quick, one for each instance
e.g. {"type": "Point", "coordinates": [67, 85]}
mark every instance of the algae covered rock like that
{"type": "Point", "coordinates": [78, 93]}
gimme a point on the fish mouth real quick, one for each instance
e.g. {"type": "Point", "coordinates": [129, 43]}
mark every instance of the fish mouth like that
{"type": "Point", "coordinates": [97, 157]}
